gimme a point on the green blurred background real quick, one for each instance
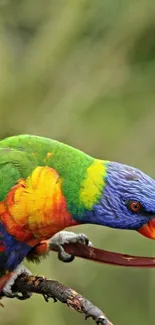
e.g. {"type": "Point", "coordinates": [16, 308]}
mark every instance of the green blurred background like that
{"type": "Point", "coordinates": [83, 72]}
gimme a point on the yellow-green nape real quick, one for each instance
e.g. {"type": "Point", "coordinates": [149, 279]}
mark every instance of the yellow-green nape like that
{"type": "Point", "coordinates": [93, 184]}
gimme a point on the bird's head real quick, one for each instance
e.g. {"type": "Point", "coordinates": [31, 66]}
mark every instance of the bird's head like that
{"type": "Point", "coordinates": [127, 201]}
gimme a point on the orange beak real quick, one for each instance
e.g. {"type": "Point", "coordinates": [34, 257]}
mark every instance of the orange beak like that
{"type": "Point", "coordinates": [148, 230]}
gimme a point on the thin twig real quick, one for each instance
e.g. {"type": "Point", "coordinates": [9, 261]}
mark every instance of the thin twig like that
{"type": "Point", "coordinates": [57, 291]}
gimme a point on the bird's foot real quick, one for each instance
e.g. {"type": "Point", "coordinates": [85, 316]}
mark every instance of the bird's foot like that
{"type": "Point", "coordinates": [7, 289]}
{"type": "Point", "coordinates": [67, 237]}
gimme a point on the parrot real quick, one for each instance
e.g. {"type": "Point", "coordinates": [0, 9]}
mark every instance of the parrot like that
{"type": "Point", "coordinates": [47, 186]}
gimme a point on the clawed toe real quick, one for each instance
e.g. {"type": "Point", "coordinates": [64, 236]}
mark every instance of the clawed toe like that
{"type": "Point", "coordinates": [65, 237]}
{"type": "Point", "coordinates": [22, 296]}
{"type": "Point", "coordinates": [82, 239]}
{"type": "Point", "coordinates": [62, 255]}
{"type": "Point", "coordinates": [7, 290]}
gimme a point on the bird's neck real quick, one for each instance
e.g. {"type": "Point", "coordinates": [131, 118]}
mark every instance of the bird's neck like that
{"type": "Point", "coordinates": [90, 190]}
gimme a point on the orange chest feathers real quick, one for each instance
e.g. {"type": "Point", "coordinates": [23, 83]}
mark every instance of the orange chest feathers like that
{"type": "Point", "coordinates": [35, 208]}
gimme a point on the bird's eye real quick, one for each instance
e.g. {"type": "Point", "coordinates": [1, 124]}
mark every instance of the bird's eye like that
{"type": "Point", "coordinates": [135, 206]}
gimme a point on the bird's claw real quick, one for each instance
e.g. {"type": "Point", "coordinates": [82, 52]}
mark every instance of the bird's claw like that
{"type": "Point", "coordinates": [63, 256]}
{"type": "Point", "coordinates": [7, 290]}
{"type": "Point", "coordinates": [66, 237]}
{"type": "Point", "coordinates": [22, 296]}
{"type": "Point", "coordinates": [100, 320]}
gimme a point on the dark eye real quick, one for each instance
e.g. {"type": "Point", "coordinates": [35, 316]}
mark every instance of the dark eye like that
{"type": "Point", "coordinates": [134, 206]}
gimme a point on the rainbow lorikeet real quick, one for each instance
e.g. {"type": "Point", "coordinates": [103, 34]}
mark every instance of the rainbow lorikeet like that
{"type": "Point", "coordinates": [46, 186]}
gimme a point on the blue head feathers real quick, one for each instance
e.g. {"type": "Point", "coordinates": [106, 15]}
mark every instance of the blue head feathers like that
{"type": "Point", "coordinates": [127, 202]}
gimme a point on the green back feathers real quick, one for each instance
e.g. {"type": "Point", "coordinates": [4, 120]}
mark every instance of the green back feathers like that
{"type": "Point", "coordinates": [82, 176]}
{"type": "Point", "coordinates": [14, 164]}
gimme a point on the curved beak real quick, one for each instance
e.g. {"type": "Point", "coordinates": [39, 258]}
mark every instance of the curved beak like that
{"type": "Point", "coordinates": [148, 230]}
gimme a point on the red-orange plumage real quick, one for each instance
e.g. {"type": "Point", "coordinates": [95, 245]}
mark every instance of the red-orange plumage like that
{"type": "Point", "coordinates": [35, 208]}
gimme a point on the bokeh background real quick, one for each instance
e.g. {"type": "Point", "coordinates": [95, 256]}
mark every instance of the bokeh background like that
{"type": "Point", "coordinates": [83, 72]}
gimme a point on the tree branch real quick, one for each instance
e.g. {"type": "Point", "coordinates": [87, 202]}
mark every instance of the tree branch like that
{"type": "Point", "coordinates": [57, 291]}
{"type": "Point", "coordinates": [107, 257]}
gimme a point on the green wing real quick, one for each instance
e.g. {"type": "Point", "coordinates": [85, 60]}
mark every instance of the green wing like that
{"type": "Point", "coordinates": [14, 165]}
